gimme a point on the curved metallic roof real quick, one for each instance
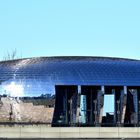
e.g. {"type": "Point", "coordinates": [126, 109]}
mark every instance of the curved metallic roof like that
{"type": "Point", "coordinates": [73, 70]}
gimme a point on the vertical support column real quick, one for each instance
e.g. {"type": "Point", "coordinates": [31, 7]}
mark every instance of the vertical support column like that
{"type": "Point", "coordinates": [91, 107]}
{"type": "Point", "coordinates": [138, 90]}
{"type": "Point", "coordinates": [83, 109]}
{"type": "Point", "coordinates": [100, 104]}
{"type": "Point", "coordinates": [65, 107]}
{"type": "Point", "coordinates": [118, 101]}
{"type": "Point", "coordinates": [123, 104]}
{"type": "Point", "coordinates": [78, 104]}
{"type": "Point", "coordinates": [114, 92]}
{"type": "Point", "coordinates": [135, 102]}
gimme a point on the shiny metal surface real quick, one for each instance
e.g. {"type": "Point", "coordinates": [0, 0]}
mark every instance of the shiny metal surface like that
{"type": "Point", "coordinates": [36, 76]}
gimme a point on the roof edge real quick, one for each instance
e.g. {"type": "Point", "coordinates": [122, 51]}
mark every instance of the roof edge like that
{"type": "Point", "coordinates": [70, 58]}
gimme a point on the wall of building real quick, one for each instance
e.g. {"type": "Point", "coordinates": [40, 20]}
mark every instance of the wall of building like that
{"type": "Point", "coordinates": [44, 131]}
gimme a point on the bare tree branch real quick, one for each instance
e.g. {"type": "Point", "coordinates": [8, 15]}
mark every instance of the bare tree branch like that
{"type": "Point", "coordinates": [11, 55]}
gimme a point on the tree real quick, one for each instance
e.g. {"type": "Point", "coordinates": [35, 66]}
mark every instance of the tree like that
{"type": "Point", "coordinates": [11, 55]}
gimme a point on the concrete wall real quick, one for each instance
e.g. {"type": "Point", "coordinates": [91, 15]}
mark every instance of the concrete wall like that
{"type": "Point", "coordinates": [43, 131]}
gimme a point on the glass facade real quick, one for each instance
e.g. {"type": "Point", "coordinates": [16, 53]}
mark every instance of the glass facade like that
{"type": "Point", "coordinates": [31, 92]}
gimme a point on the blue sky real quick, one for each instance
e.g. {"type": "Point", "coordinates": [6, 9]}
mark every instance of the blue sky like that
{"type": "Point", "coordinates": [70, 27]}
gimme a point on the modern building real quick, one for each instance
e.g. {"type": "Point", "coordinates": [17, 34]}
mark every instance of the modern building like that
{"type": "Point", "coordinates": [70, 91]}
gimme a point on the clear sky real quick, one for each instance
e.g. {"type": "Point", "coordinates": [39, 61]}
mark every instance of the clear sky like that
{"type": "Point", "coordinates": [70, 27]}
